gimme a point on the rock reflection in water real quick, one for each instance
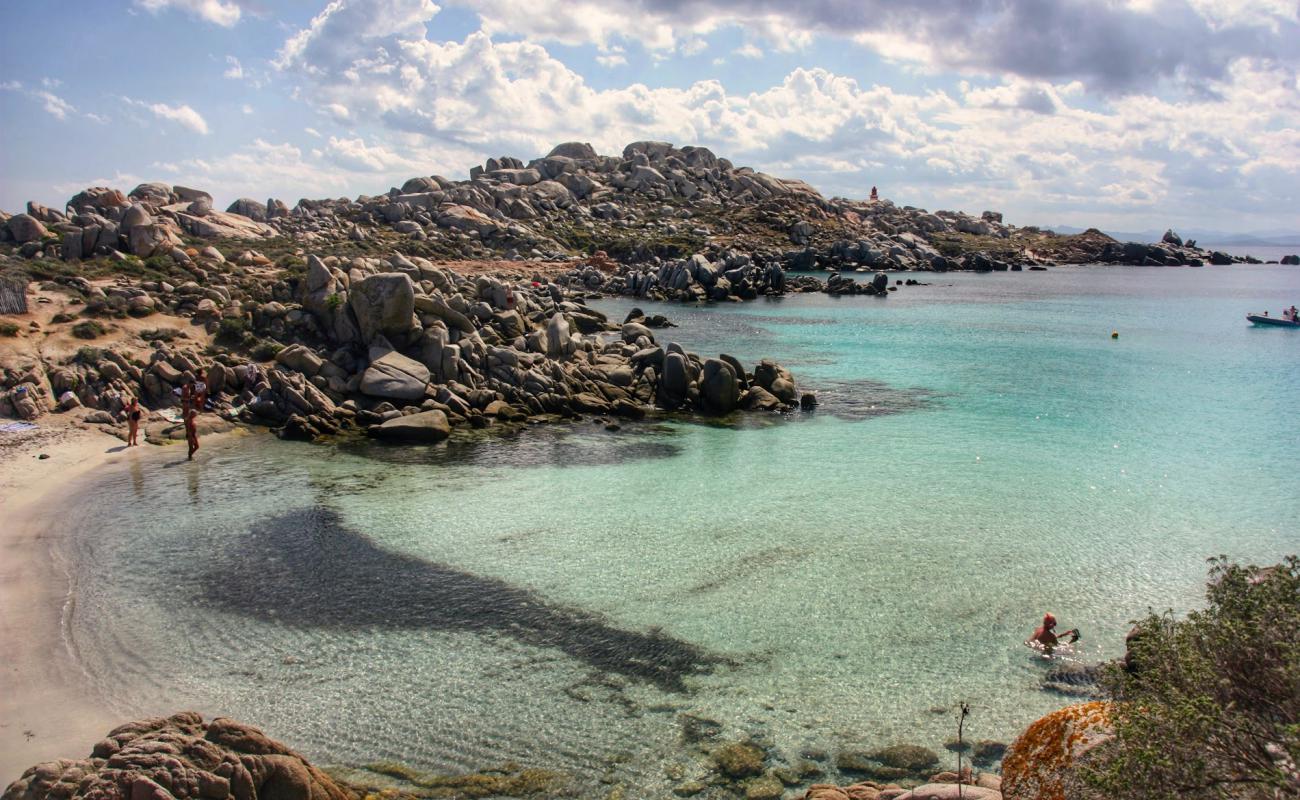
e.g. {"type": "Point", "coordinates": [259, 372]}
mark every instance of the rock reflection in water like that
{"type": "Point", "coordinates": [544, 447]}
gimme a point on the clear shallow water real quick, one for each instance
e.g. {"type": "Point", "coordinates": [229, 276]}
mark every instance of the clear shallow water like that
{"type": "Point", "coordinates": [984, 452]}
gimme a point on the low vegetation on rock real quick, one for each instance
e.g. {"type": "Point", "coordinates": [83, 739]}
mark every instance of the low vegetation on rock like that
{"type": "Point", "coordinates": [1208, 706]}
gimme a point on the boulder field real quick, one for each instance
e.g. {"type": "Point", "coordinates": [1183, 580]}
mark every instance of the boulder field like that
{"type": "Point", "coordinates": [649, 207]}
{"type": "Point", "coordinates": [399, 347]}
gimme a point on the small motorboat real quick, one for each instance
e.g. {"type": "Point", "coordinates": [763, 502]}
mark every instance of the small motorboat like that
{"type": "Point", "coordinates": [1260, 319]}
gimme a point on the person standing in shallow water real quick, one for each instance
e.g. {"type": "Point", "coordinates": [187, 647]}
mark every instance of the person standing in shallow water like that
{"type": "Point", "coordinates": [1045, 635]}
{"type": "Point", "coordinates": [133, 415]}
{"type": "Point", "coordinates": [189, 413]}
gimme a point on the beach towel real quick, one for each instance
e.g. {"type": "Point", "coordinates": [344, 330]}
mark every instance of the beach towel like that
{"type": "Point", "coordinates": [14, 427]}
{"type": "Point", "coordinates": [170, 414]}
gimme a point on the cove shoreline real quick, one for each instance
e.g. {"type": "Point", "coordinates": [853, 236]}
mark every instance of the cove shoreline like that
{"type": "Point", "coordinates": [47, 711]}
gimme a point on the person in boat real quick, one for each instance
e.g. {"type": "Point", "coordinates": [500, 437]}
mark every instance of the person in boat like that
{"type": "Point", "coordinates": [1045, 635]}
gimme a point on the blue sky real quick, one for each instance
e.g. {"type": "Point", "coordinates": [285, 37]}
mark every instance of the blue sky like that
{"type": "Point", "coordinates": [1127, 114]}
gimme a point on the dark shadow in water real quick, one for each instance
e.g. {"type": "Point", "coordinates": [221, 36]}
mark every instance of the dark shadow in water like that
{"type": "Point", "coordinates": [865, 399]}
{"type": "Point", "coordinates": [557, 445]}
{"type": "Point", "coordinates": [306, 569]}
{"type": "Point", "coordinates": [847, 400]}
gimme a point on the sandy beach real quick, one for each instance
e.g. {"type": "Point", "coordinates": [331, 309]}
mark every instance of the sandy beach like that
{"type": "Point", "coordinates": [45, 711]}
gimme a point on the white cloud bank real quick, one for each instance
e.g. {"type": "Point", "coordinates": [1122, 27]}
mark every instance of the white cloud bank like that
{"type": "Point", "coordinates": [1023, 143]}
{"type": "Point", "coordinates": [1111, 45]}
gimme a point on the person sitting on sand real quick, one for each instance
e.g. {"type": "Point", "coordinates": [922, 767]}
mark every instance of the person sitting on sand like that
{"type": "Point", "coordinates": [1045, 637]}
{"type": "Point", "coordinates": [133, 415]}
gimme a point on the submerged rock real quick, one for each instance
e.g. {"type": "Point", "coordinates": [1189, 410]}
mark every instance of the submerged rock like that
{"type": "Point", "coordinates": [739, 759]}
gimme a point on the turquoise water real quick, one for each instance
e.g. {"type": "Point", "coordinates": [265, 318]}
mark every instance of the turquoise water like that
{"type": "Point", "coordinates": [984, 452]}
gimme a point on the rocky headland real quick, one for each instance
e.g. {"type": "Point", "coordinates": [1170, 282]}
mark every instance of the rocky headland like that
{"type": "Point", "coordinates": [456, 303]}
{"type": "Point", "coordinates": [651, 206]}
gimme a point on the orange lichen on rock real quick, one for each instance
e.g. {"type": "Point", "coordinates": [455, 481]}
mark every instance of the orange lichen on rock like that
{"type": "Point", "coordinates": [1037, 763]}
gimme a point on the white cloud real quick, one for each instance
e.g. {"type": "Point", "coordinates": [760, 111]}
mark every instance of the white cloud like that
{"type": "Point", "coordinates": [312, 132]}
{"type": "Point", "coordinates": [235, 71]}
{"type": "Point", "coordinates": [1112, 46]}
{"type": "Point", "coordinates": [54, 105]}
{"type": "Point", "coordinates": [749, 50]}
{"type": "Point", "coordinates": [219, 12]}
{"type": "Point", "coordinates": [51, 83]}
{"type": "Point", "coordinates": [1015, 95]}
{"type": "Point", "coordinates": [356, 155]}
{"type": "Point", "coordinates": [182, 115]}
{"type": "Point", "coordinates": [693, 47]}
{"type": "Point", "coordinates": [259, 168]}
{"type": "Point", "coordinates": [246, 108]}
{"type": "Point", "coordinates": [1243, 13]}
{"type": "Point", "coordinates": [611, 60]}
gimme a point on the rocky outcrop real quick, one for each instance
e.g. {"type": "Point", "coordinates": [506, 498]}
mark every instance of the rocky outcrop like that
{"type": "Point", "coordinates": [181, 756]}
{"type": "Point", "coordinates": [652, 208]}
{"type": "Point", "coordinates": [353, 344]}
{"type": "Point", "coordinates": [1041, 764]}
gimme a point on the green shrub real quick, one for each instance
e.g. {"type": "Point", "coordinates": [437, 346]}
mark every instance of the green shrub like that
{"type": "Point", "coordinates": [266, 350]}
{"type": "Point", "coordinates": [1210, 706]}
{"type": "Point", "coordinates": [88, 355]}
{"type": "Point", "coordinates": [232, 330]}
{"type": "Point", "coordinates": [334, 301]}
{"type": "Point", "coordinates": [8, 329]}
{"type": "Point", "coordinates": [88, 329]}
{"type": "Point", "coordinates": [160, 263]}
{"type": "Point", "coordinates": [161, 334]}
{"type": "Point", "coordinates": [62, 317]}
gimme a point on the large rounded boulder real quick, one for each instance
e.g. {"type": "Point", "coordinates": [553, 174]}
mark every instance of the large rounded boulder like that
{"type": "Point", "coordinates": [180, 756]}
{"type": "Point", "coordinates": [425, 427]}
{"type": "Point", "coordinates": [579, 151]}
{"type": "Point", "coordinates": [384, 305]}
{"type": "Point", "coordinates": [719, 388]}
{"type": "Point", "coordinates": [1041, 764]}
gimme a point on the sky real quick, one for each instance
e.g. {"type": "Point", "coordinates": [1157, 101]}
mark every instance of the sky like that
{"type": "Point", "coordinates": [1119, 114]}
